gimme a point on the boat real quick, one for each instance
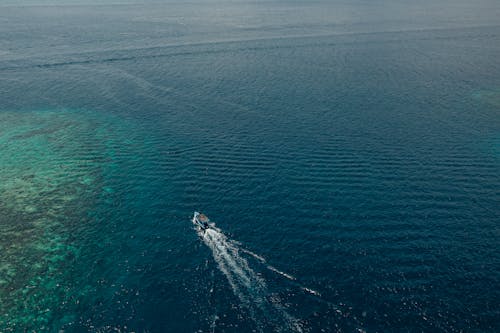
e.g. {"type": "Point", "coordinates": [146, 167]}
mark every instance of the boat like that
{"type": "Point", "coordinates": [201, 221]}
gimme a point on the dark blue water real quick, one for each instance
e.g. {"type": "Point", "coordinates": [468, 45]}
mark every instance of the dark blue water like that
{"type": "Point", "coordinates": [348, 152]}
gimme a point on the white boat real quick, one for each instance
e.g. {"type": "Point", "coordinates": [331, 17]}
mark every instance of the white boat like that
{"type": "Point", "coordinates": [201, 221]}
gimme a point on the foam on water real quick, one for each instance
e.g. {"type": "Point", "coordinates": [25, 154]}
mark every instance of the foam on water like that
{"type": "Point", "coordinates": [288, 276]}
{"type": "Point", "coordinates": [255, 255]}
{"type": "Point", "coordinates": [250, 288]}
{"type": "Point", "coordinates": [275, 270]}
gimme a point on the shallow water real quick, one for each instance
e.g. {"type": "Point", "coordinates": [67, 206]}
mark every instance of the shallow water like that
{"type": "Point", "coordinates": [348, 153]}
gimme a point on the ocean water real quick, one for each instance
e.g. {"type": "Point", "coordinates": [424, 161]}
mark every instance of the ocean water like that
{"type": "Point", "coordinates": [347, 152]}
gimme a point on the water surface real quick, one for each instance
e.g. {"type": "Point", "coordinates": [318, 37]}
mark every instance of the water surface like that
{"type": "Point", "coordinates": [349, 154]}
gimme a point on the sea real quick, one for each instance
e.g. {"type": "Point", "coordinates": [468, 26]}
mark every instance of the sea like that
{"type": "Point", "coordinates": [346, 152]}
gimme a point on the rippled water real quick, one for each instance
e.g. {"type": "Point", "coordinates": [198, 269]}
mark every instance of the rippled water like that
{"type": "Point", "coordinates": [349, 154]}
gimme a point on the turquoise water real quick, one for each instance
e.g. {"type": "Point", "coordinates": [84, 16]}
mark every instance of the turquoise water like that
{"type": "Point", "coordinates": [347, 152]}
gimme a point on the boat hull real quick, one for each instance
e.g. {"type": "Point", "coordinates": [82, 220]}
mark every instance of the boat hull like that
{"type": "Point", "coordinates": [201, 221]}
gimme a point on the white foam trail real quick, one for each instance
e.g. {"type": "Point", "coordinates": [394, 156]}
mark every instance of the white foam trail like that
{"type": "Point", "coordinates": [213, 325]}
{"type": "Point", "coordinates": [255, 255]}
{"type": "Point", "coordinates": [271, 268]}
{"type": "Point", "coordinates": [288, 276]}
{"type": "Point", "coordinates": [311, 291]}
{"type": "Point", "coordinates": [247, 285]}
{"type": "Point", "coordinates": [263, 307]}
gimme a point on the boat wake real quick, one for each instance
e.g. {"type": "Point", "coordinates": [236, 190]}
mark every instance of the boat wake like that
{"type": "Point", "coordinates": [269, 267]}
{"type": "Point", "coordinates": [250, 288]}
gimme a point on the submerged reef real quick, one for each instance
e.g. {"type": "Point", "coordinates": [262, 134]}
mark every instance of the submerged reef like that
{"type": "Point", "coordinates": [50, 172]}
